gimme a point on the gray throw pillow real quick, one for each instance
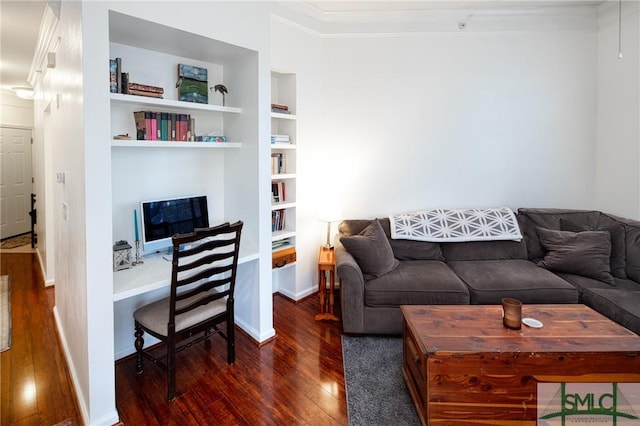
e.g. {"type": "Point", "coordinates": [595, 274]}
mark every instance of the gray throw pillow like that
{"type": "Point", "coordinates": [584, 253]}
{"type": "Point", "coordinates": [371, 250]}
{"type": "Point", "coordinates": [618, 259]}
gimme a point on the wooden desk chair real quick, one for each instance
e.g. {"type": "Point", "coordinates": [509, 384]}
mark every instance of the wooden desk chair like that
{"type": "Point", "coordinates": [203, 276]}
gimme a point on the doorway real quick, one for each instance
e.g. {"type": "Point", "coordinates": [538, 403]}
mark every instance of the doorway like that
{"type": "Point", "coordinates": [15, 181]}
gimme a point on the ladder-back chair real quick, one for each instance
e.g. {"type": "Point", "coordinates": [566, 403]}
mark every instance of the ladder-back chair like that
{"type": "Point", "coordinates": [203, 275]}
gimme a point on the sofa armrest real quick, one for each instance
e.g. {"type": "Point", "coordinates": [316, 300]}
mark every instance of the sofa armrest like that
{"type": "Point", "coordinates": [351, 290]}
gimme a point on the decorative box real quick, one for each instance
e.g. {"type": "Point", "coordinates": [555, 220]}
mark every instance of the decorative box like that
{"type": "Point", "coordinates": [282, 257]}
{"type": "Point", "coordinates": [121, 255]}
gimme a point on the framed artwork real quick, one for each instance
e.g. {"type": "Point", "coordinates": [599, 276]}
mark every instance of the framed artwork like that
{"type": "Point", "coordinates": [192, 84]}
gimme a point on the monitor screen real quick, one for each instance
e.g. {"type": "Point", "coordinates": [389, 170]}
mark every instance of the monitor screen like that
{"type": "Point", "coordinates": [161, 219]}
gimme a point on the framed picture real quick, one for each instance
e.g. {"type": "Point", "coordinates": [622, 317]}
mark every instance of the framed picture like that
{"type": "Point", "coordinates": [192, 86]}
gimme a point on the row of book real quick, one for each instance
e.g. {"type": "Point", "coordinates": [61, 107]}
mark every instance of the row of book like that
{"type": "Point", "coordinates": [119, 82]}
{"type": "Point", "coordinates": [278, 163]}
{"type": "Point", "coordinates": [278, 193]}
{"type": "Point", "coordinates": [280, 139]}
{"type": "Point", "coordinates": [277, 220]}
{"type": "Point", "coordinates": [280, 108]}
{"type": "Point", "coordinates": [163, 126]}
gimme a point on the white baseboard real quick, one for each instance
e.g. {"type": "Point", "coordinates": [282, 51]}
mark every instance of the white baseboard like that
{"type": "Point", "coordinates": [299, 295]}
{"type": "Point", "coordinates": [253, 333]}
{"type": "Point", "coordinates": [108, 418]}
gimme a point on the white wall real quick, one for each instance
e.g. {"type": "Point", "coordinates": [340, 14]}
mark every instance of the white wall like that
{"type": "Point", "coordinates": [461, 119]}
{"type": "Point", "coordinates": [618, 142]}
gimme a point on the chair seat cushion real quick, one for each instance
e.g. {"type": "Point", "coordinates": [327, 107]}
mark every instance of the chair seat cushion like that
{"type": "Point", "coordinates": [155, 315]}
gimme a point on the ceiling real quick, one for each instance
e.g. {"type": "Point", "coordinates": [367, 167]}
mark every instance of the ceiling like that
{"type": "Point", "coordinates": [20, 23]}
{"type": "Point", "coordinates": [19, 28]}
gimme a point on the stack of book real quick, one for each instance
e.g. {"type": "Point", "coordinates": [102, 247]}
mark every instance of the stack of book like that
{"type": "Point", "coordinates": [278, 192]}
{"type": "Point", "coordinates": [280, 139]}
{"type": "Point", "coordinates": [144, 90]}
{"type": "Point", "coordinates": [163, 126]}
{"type": "Point", "coordinates": [278, 163]}
{"type": "Point", "coordinates": [280, 244]}
{"type": "Point", "coordinates": [279, 108]}
{"type": "Point", "coordinates": [277, 220]}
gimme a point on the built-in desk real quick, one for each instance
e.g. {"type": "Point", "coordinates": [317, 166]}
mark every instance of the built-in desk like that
{"type": "Point", "coordinates": [142, 284]}
{"type": "Point", "coordinates": [153, 274]}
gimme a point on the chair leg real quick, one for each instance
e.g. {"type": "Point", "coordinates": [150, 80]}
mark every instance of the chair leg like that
{"type": "Point", "coordinates": [139, 343]}
{"type": "Point", "coordinates": [231, 334]}
{"type": "Point", "coordinates": [171, 364]}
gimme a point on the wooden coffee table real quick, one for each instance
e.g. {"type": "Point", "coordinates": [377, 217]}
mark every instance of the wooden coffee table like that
{"type": "Point", "coordinates": [462, 366]}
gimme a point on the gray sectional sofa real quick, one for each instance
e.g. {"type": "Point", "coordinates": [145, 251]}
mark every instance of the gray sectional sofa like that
{"type": "Point", "coordinates": [565, 256]}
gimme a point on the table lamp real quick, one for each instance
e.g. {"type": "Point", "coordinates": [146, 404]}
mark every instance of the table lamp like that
{"type": "Point", "coordinates": [329, 212]}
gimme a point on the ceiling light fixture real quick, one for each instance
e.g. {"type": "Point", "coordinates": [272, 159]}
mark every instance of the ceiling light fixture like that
{"type": "Point", "coordinates": [619, 29]}
{"type": "Point", "coordinates": [23, 92]}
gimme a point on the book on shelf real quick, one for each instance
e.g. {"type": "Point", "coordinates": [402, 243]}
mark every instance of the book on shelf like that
{"type": "Point", "coordinates": [280, 139]}
{"type": "Point", "coordinates": [125, 82]}
{"type": "Point", "coordinates": [280, 108]}
{"type": "Point", "coordinates": [278, 192]}
{"type": "Point", "coordinates": [278, 220]}
{"type": "Point", "coordinates": [278, 163]}
{"type": "Point", "coordinates": [113, 76]}
{"type": "Point", "coordinates": [145, 93]}
{"type": "Point", "coordinates": [145, 88]}
{"type": "Point", "coordinates": [280, 111]}
{"type": "Point", "coordinates": [119, 74]}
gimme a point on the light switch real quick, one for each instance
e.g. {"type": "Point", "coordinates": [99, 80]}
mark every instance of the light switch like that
{"type": "Point", "coordinates": [60, 177]}
{"type": "Point", "coordinates": [65, 211]}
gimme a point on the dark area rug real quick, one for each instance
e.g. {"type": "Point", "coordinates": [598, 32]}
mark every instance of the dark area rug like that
{"type": "Point", "coordinates": [376, 391]}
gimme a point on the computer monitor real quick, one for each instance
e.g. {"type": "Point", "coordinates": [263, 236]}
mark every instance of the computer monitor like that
{"type": "Point", "coordinates": [163, 218]}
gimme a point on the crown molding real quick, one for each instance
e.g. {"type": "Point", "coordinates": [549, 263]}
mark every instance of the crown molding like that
{"type": "Point", "coordinates": [46, 42]}
{"type": "Point", "coordinates": [528, 17]}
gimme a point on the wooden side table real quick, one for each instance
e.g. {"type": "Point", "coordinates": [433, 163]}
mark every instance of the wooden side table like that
{"type": "Point", "coordinates": [326, 265]}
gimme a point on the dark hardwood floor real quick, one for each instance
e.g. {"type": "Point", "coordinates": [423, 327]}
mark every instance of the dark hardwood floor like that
{"type": "Point", "coordinates": [36, 387]}
{"type": "Point", "coordinates": [295, 379]}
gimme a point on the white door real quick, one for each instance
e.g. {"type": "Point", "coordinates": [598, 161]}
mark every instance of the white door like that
{"type": "Point", "coordinates": [15, 181]}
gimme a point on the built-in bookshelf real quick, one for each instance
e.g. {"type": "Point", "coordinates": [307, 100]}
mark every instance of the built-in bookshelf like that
{"type": "Point", "coordinates": [148, 169]}
{"type": "Point", "coordinates": [283, 175]}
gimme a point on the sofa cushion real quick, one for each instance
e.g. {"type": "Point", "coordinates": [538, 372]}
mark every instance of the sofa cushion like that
{"type": "Point", "coordinates": [583, 253]}
{"type": "Point", "coordinates": [484, 250]}
{"type": "Point", "coordinates": [621, 306]}
{"type": "Point", "coordinates": [616, 231]}
{"type": "Point", "coordinates": [582, 283]}
{"type": "Point", "coordinates": [371, 249]}
{"type": "Point", "coordinates": [417, 282]}
{"type": "Point", "coordinates": [491, 280]}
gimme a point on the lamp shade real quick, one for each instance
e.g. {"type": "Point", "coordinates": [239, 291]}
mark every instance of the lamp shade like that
{"type": "Point", "coordinates": [329, 212]}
